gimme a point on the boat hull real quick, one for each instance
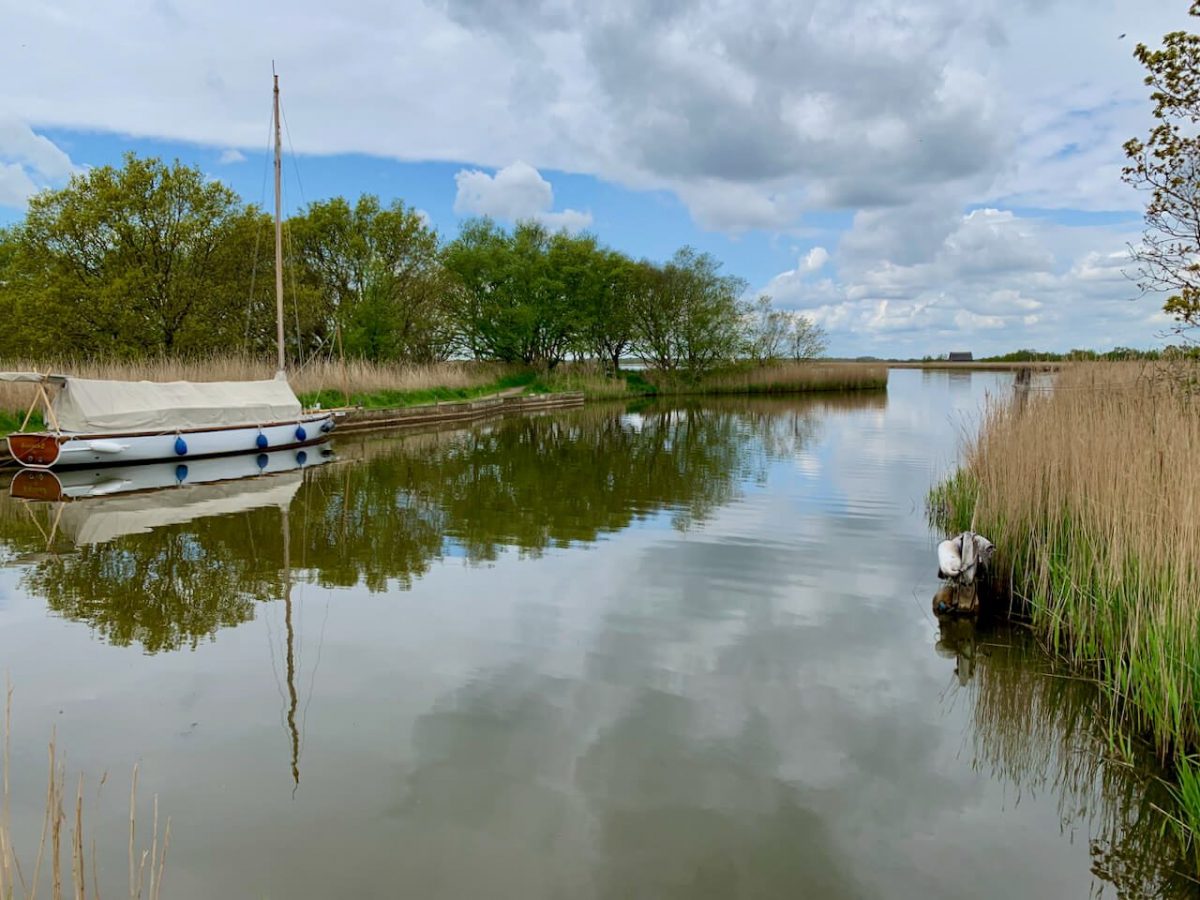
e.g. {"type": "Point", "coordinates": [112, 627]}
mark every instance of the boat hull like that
{"type": "Point", "coordinates": [62, 451]}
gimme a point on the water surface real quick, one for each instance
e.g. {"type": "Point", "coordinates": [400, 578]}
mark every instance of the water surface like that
{"type": "Point", "coordinates": [678, 650]}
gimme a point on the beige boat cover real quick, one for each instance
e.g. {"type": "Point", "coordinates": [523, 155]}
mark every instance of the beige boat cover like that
{"type": "Point", "coordinates": [85, 405]}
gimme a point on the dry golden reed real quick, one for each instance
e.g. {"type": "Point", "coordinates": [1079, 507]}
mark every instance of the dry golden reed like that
{"type": "Point", "coordinates": [1091, 492]}
{"type": "Point", "coordinates": [789, 377]}
{"type": "Point", "coordinates": [779, 378]}
{"type": "Point", "coordinates": [146, 867]}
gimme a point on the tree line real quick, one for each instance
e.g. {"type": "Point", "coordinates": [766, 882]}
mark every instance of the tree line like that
{"type": "Point", "coordinates": [152, 259]}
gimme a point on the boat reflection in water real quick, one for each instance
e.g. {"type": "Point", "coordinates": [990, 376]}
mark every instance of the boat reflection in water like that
{"type": "Point", "coordinates": [98, 506]}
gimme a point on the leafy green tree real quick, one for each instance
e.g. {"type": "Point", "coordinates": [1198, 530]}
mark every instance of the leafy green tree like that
{"type": "Point", "coordinates": [767, 331]}
{"type": "Point", "coordinates": [376, 271]}
{"type": "Point", "coordinates": [806, 339]}
{"type": "Point", "coordinates": [128, 261]}
{"type": "Point", "coordinates": [515, 297]}
{"type": "Point", "coordinates": [608, 309]}
{"type": "Point", "coordinates": [1167, 166]}
{"type": "Point", "coordinates": [689, 319]}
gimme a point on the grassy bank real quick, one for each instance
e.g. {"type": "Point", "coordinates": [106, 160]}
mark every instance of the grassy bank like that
{"type": "Point", "coordinates": [1091, 493]}
{"type": "Point", "coordinates": [373, 385]}
{"type": "Point", "coordinates": [391, 398]}
{"type": "Point", "coordinates": [390, 385]}
{"type": "Point", "coordinates": [782, 378]}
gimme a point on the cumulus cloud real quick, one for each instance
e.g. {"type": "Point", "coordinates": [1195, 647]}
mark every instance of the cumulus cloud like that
{"type": "Point", "coordinates": [814, 259]}
{"type": "Point", "coordinates": [795, 289]}
{"type": "Point", "coordinates": [15, 185]}
{"type": "Point", "coordinates": [231, 156]}
{"type": "Point", "coordinates": [515, 193]}
{"type": "Point", "coordinates": [28, 162]}
{"type": "Point", "coordinates": [752, 114]}
{"type": "Point", "coordinates": [995, 282]}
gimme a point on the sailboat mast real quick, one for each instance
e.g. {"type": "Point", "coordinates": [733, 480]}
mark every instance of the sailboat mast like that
{"type": "Point", "coordinates": [278, 231]}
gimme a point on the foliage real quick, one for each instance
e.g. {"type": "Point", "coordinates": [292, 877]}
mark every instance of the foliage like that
{"type": "Point", "coordinates": [512, 302]}
{"type": "Point", "coordinates": [1117, 354]}
{"type": "Point", "coordinates": [767, 330]}
{"type": "Point", "coordinates": [376, 273]}
{"type": "Point", "coordinates": [689, 318]}
{"type": "Point", "coordinates": [151, 260]}
{"type": "Point", "coordinates": [806, 338]}
{"type": "Point", "coordinates": [608, 323]}
{"type": "Point", "coordinates": [1167, 166]}
{"type": "Point", "coordinates": [147, 258]}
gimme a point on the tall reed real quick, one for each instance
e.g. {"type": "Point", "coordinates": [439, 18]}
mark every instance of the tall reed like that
{"type": "Point", "coordinates": [146, 867]}
{"type": "Point", "coordinates": [1091, 493]}
{"type": "Point", "coordinates": [780, 378]}
{"type": "Point", "coordinates": [785, 378]}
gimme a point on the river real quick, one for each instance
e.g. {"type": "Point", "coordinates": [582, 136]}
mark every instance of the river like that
{"type": "Point", "coordinates": [659, 650]}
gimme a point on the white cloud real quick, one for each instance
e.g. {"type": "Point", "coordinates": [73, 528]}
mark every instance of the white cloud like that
{"type": "Point", "coordinates": [28, 162]}
{"type": "Point", "coordinates": [796, 290]}
{"type": "Point", "coordinates": [15, 185]}
{"type": "Point", "coordinates": [516, 192]}
{"type": "Point", "coordinates": [231, 156]}
{"type": "Point", "coordinates": [996, 282]}
{"type": "Point", "coordinates": [752, 115]}
{"type": "Point", "coordinates": [814, 259]}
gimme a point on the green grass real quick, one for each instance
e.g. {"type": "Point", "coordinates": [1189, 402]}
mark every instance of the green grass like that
{"type": "Point", "coordinates": [594, 384]}
{"type": "Point", "coordinates": [1184, 821]}
{"type": "Point", "coordinates": [385, 399]}
{"type": "Point", "coordinates": [11, 421]}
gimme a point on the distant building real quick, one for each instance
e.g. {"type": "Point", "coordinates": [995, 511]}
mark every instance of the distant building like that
{"type": "Point", "coordinates": [961, 356]}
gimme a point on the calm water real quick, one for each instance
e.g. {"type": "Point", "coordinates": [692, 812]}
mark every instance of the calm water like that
{"type": "Point", "coordinates": [674, 651]}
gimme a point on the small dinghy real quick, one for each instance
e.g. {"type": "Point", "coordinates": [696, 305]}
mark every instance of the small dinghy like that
{"type": "Point", "coordinates": [960, 558]}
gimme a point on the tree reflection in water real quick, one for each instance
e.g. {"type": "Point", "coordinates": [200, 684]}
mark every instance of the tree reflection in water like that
{"type": "Point", "coordinates": [394, 506]}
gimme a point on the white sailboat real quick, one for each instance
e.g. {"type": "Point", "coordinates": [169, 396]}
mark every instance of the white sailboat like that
{"type": "Point", "coordinates": [93, 422]}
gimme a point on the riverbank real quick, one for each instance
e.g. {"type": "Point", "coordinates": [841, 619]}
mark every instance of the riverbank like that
{"type": "Point", "coordinates": [1091, 494]}
{"type": "Point", "coordinates": [383, 386]}
{"type": "Point", "coordinates": [980, 365]}
{"type": "Point", "coordinates": [779, 378]}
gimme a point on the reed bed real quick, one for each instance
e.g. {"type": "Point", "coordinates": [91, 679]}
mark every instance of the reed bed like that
{"type": "Point", "coordinates": [63, 823]}
{"type": "Point", "coordinates": [787, 378]}
{"type": "Point", "coordinates": [1091, 493]}
{"type": "Point", "coordinates": [780, 378]}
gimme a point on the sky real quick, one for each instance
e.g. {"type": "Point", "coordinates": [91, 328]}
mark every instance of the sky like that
{"type": "Point", "coordinates": [919, 176]}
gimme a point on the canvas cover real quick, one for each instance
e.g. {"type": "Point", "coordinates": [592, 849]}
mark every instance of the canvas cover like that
{"type": "Point", "coordinates": [35, 377]}
{"type": "Point", "coordinates": [90, 406]}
